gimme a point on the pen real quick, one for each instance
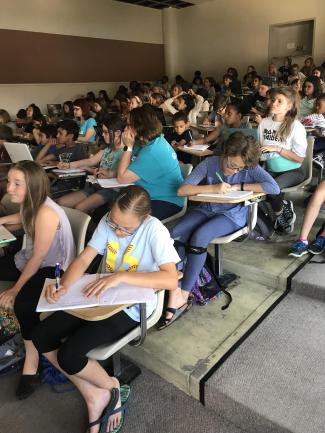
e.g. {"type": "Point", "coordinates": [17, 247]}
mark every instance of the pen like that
{"type": "Point", "coordinates": [219, 177]}
{"type": "Point", "coordinates": [57, 276]}
{"type": "Point", "coordinates": [190, 134]}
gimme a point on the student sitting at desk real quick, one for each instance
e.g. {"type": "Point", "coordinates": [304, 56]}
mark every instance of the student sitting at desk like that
{"type": "Point", "coordinates": [317, 120]}
{"type": "Point", "coordinates": [311, 89]}
{"type": "Point", "coordinates": [46, 144]}
{"type": "Point", "coordinates": [138, 250]}
{"type": "Point", "coordinates": [152, 163]}
{"type": "Point", "coordinates": [49, 240]}
{"type": "Point", "coordinates": [283, 141]}
{"type": "Point", "coordinates": [67, 148]}
{"type": "Point", "coordinates": [234, 113]}
{"type": "Point", "coordinates": [93, 196]}
{"type": "Point", "coordinates": [86, 123]}
{"type": "Point", "coordinates": [180, 135]}
{"type": "Point", "coordinates": [236, 169]}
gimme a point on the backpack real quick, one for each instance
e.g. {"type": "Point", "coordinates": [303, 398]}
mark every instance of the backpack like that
{"type": "Point", "coordinates": [206, 288]}
{"type": "Point", "coordinates": [264, 228]}
{"type": "Point", "coordinates": [58, 381]}
{"type": "Point", "coordinates": [12, 355]}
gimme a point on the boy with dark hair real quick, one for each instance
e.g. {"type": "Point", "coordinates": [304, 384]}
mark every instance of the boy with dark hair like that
{"type": "Point", "coordinates": [67, 148]}
{"type": "Point", "coordinates": [180, 135]}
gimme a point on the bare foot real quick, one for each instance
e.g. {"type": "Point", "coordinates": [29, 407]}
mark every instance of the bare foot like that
{"type": "Point", "coordinates": [100, 399]}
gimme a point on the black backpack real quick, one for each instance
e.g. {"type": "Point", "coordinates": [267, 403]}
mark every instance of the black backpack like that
{"type": "Point", "coordinates": [264, 228]}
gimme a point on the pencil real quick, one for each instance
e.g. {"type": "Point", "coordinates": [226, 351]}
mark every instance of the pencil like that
{"type": "Point", "coordinates": [219, 177]}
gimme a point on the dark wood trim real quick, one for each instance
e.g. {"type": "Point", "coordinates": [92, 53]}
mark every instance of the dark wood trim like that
{"type": "Point", "coordinates": [32, 57]}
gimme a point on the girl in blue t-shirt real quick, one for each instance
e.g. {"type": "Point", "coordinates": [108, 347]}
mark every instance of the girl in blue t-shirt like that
{"type": "Point", "coordinates": [137, 250]}
{"type": "Point", "coordinates": [236, 169]}
{"type": "Point", "coordinates": [152, 163]}
{"type": "Point", "coordinates": [81, 110]}
{"type": "Point", "coordinates": [93, 196]}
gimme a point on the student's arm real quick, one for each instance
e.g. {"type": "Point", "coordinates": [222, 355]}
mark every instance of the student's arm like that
{"type": "Point", "coordinates": [44, 152]}
{"type": "Point", "coordinates": [165, 278]}
{"type": "Point", "coordinates": [46, 224]}
{"type": "Point", "coordinates": [167, 106]}
{"type": "Point", "coordinates": [191, 185]}
{"type": "Point", "coordinates": [285, 153]}
{"type": "Point", "coordinates": [14, 218]}
{"type": "Point", "coordinates": [105, 173]}
{"type": "Point", "coordinates": [124, 175]}
{"type": "Point", "coordinates": [210, 138]}
{"type": "Point", "coordinates": [88, 162]}
{"type": "Point", "coordinates": [72, 274]}
{"type": "Point", "coordinates": [259, 180]}
{"type": "Point", "coordinates": [86, 138]}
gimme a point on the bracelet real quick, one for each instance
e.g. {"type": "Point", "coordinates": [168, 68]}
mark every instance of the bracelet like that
{"type": "Point", "coordinates": [242, 186]}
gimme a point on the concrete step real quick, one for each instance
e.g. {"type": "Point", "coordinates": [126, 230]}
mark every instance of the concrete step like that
{"type": "Point", "coordinates": [274, 382]}
{"type": "Point", "coordinates": [186, 351]}
{"type": "Point", "coordinates": [310, 280]}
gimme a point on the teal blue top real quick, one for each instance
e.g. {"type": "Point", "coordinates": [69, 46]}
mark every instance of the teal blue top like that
{"type": "Point", "coordinates": [89, 123]}
{"type": "Point", "coordinates": [279, 164]}
{"type": "Point", "coordinates": [157, 167]}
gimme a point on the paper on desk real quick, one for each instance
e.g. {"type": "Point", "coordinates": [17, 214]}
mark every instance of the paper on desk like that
{"type": "Point", "coordinates": [5, 235]}
{"type": "Point", "coordinates": [197, 147]}
{"type": "Point", "coordinates": [112, 183]}
{"type": "Point", "coordinates": [68, 170]}
{"type": "Point", "coordinates": [121, 294]}
{"type": "Point", "coordinates": [229, 194]}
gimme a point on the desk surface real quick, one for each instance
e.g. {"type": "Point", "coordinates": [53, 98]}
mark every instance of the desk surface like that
{"type": "Point", "coordinates": [96, 313]}
{"type": "Point", "coordinates": [205, 128]}
{"type": "Point", "coordinates": [194, 152]}
{"type": "Point", "coordinates": [252, 197]}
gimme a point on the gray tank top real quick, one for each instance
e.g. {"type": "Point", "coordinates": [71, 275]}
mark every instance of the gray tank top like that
{"type": "Point", "coordinates": [62, 249]}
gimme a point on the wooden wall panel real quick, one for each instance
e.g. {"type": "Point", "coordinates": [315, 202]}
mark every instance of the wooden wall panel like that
{"type": "Point", "coordinates": [32, 57]}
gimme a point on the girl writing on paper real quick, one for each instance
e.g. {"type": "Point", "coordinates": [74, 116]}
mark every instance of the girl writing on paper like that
{"type": "Point", "coordinates": [49, 240]}
{"type": "Point", "coordinates": [138, 250]}
{"type": "Point", "coordinates": [236, 169]}
{"type": "Point", "coordinates": [108, 159]}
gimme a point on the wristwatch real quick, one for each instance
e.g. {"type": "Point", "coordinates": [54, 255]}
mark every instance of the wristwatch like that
{"type": "Point", "coordinates": [127, 148]}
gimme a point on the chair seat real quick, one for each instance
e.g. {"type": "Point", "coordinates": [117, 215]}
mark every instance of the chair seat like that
{"type": "Point", "coordinates": [231, 237]}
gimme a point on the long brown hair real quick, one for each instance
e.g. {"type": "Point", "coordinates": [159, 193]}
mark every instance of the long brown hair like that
{"type": "Point", "coordinates": [37, 189]}
{"type": "Point", "coordinates": [293, 97]}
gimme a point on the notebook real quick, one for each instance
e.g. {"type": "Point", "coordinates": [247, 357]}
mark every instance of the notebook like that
{"type": "Point", "coordinates": [228, 195]}
{"type": "Point", "coordinates": [5, 235]}
{"type": "Point", "coordinates": [74, 298]}
{"type": "Point", "coordinates": [197, 147]}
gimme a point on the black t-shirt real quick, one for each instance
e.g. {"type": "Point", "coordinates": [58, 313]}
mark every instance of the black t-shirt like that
{"type": "Point", "coordinates": [173, 136]}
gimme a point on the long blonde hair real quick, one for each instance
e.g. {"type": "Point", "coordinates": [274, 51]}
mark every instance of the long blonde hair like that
{"type": "Point", "coordinates": [293, 97]}
{"type": "Point", "coordinates": [37, 190]}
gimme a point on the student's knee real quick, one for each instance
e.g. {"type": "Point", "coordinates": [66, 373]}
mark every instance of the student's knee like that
{"type": "Point", "coordinates": [69, 360]}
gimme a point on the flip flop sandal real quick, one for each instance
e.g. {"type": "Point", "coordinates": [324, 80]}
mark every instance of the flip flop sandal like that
{"type": "Point", "coordinates": [177, 313]}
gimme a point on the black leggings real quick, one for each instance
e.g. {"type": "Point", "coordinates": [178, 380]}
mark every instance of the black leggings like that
{"type": "Point", "coordinates": [284, 180]}
{"type": "Point", "coordinates": [27, 298]}
{"type": "Point", "coordinates": [81, 336]}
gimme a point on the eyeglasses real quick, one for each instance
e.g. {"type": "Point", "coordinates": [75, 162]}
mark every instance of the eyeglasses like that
{"type": "Point", "coordinates": [115, 227]}
{"type": "Point", "coordinates": [231, 166]}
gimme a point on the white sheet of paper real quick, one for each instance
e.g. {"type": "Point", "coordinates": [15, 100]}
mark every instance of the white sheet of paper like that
{"type": "Point", "coordinates": [121, 294]}
{"type": "Point", "coordinates": [68, 171]}
{"type": "Point", "coordinates": [197, 147]}
{"type": "Point", "coordinates": [112, 183]}
{"type": "Point", "coordinates": [230, 194]}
